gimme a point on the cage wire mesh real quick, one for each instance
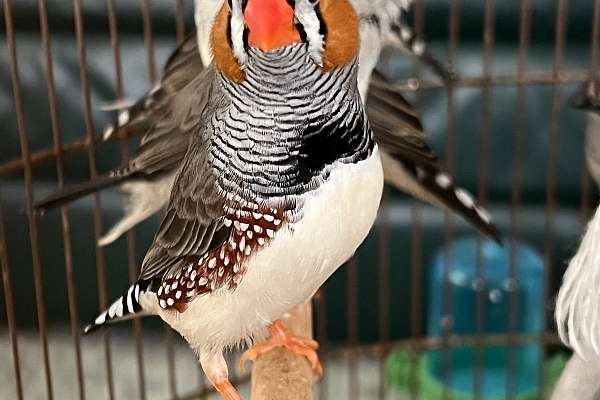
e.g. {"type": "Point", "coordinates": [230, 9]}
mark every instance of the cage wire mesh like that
{"type": "Point", "coordinates": [519, 60]}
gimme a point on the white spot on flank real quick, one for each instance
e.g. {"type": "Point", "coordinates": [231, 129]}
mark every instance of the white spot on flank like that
{"type": "Point", "coordinates": [269, 218]}
{"type": "Point", "coordinates": [170, 301]}
{"type": "Point", "coordinates": [227, 222]}
{"type": "Point", "coordinates": [277, 222]}
{"type": "Point", "coordinates": [242, 243]}
{"type": "Point", "coordinates": [258, 229]}
{"type": "Point", "coordinates": [221, 271]}
{"type": "Point", "coordinates": [270, 233]}
{"type": "Point", "coordinates": [261, 241]}
{"type": "Point", "coordinates": [443, 180]}
{"type": "Point", "coordinates": [174, 285]}
{"type": "Point", "coordinates": [257, 215]}
{"type": "Point", "coordinates": [244, 227]}
{"type": "Point", "coordinates": [248, 250]}
{"type": "Point", "coordinates": [163, 304]}
{"type": "Point", "coordinates": [212, 263]}
{"type": "Point", "coordinates": [222, 252]}
{"type": "Point", "coordinates": [249, 234]}
{"type": "Point", "coordinates": [226, 261]}
{"type": "Point", "coordinates": [178, 295]}
{"type": "Point", "coordinates": [464, 197]}
{"type": "Point", "coordinates": [160, 290]}
{"type": "Point", "coordinates": [193, 276]}
{"type": "Point", "coordinates": [202, 281]}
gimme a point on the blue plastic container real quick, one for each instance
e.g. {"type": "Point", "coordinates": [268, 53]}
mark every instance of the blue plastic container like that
{"type": "Point", "coordinates": [497, 286]}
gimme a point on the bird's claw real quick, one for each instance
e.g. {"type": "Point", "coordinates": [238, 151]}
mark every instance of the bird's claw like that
{"type": "Point", "coordinates": [282, 337]}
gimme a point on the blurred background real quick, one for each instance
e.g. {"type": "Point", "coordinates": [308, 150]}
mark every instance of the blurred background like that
{"type": "Point", "coordinates": [426, 310]}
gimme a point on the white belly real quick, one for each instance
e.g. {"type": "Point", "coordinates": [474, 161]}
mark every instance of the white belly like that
{"type": "Point", "coordinates": [336, 218]}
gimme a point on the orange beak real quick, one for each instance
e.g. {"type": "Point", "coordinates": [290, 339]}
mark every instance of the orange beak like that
{"type": "Point", "coordinates": [270, 24]}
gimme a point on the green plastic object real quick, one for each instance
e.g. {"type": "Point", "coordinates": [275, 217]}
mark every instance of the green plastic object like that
{"type": "Point", "coordinates": [407, 372]}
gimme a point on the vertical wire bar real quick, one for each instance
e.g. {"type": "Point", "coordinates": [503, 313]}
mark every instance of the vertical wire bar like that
{"type": "Point", "coordinates": [484, 159]}
{"type": "Point", "coordinates": [33, 232]}
{"type": "Point", "coordinates": [64, 213]}
{"type": "Point", "coordinates": [179, 20]}
{"type": "Point", "coordinates": [453, 37]}
{"type": "Point", "coordinates": [9, 303]}
{"type": "Point", "coordinates": [353, 325]}
{"type": "Point", "coordinates": [149, 39]}
{"type": "Point", "coordinates": [553, 143]}
{"type": "Point", "coordinates": [416, 247]}
{"type": "Point", "coordinates": [90, 133]}
{"type": "Point", "coordinates": [132, 264]}
{"type": "Point", "coordinates": [586, 187]}
{"type": "Point", "coordinates": [384, 290]}
{"type": "Point", "coordinates": [517, 183]}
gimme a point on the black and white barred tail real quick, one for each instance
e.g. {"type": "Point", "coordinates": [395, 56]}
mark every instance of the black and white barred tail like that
{"type": "Point", "coordinates": [441, 186]}
{"type": "Point", "coordinates": [407, 39]}
{"type": "Point", "coordinates": [125, 307]}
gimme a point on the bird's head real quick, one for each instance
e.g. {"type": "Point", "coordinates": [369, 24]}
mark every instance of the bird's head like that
{"type": "Point", "coordinates": [587, 96]}
{"type": "Point", "coordinates": [328, 27]}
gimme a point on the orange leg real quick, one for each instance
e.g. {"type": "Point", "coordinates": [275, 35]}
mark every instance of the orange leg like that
{"type": "Point", "coordinates": [215, 368]}
{"type": "Point", "coordinates": [282, 337]}
{"type": "Point", "coordinates": [226, 390]}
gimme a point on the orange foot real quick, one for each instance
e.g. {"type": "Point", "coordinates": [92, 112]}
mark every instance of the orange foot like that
{"type": "Point", "coordinates": [282, 337]}
{"type": "Point", "coordinates": [226, 390]}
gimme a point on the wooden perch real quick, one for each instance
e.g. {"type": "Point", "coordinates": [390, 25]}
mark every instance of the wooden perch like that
{"type": "Point", "coordinates": [282, 375]}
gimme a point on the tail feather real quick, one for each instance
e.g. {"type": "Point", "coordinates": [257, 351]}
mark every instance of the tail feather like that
{"type": "Point", "coordinates": [124, 308]}
{"type": "Point", "coordinates": [459, 200]}
{"type": "Point", "coordinates": [74, 192]}
{"type": "Point", "coordinates": [404, 36]}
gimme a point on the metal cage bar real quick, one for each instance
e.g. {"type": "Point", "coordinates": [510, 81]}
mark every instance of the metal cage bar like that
{"type": "Point", "coordinates": [64, 213]}
{"type": "Point", "coordinates": [28, 177]}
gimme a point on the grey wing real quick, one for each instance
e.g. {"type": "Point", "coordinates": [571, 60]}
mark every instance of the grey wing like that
{"type": "Point", "coordinates": [193, 222]}
{"type": "Point", "coordinates": [409, 163]}
{"type": "Point", "coordinates": [183, 65]}
{"type": "Point", "coordinates": [166, 141]}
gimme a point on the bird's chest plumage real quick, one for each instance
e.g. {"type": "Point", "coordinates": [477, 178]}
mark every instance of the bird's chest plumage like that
{"type": "Point", "coordinates": [336, 218]}
{"type": "Point", "coordinates": [301, 180]}
{"type": "Point", "coordinates": [280, 130]}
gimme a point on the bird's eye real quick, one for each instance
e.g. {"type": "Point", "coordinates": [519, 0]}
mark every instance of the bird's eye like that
{"type": "Point", "coordinates": [313, 2]}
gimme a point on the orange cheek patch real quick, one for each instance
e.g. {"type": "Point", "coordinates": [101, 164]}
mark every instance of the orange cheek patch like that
{"type": "Point", "coordinates": [270, 24]}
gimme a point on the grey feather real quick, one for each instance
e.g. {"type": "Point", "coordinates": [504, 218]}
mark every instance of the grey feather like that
{"type": "Point", "coordinates": [410, 164]}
